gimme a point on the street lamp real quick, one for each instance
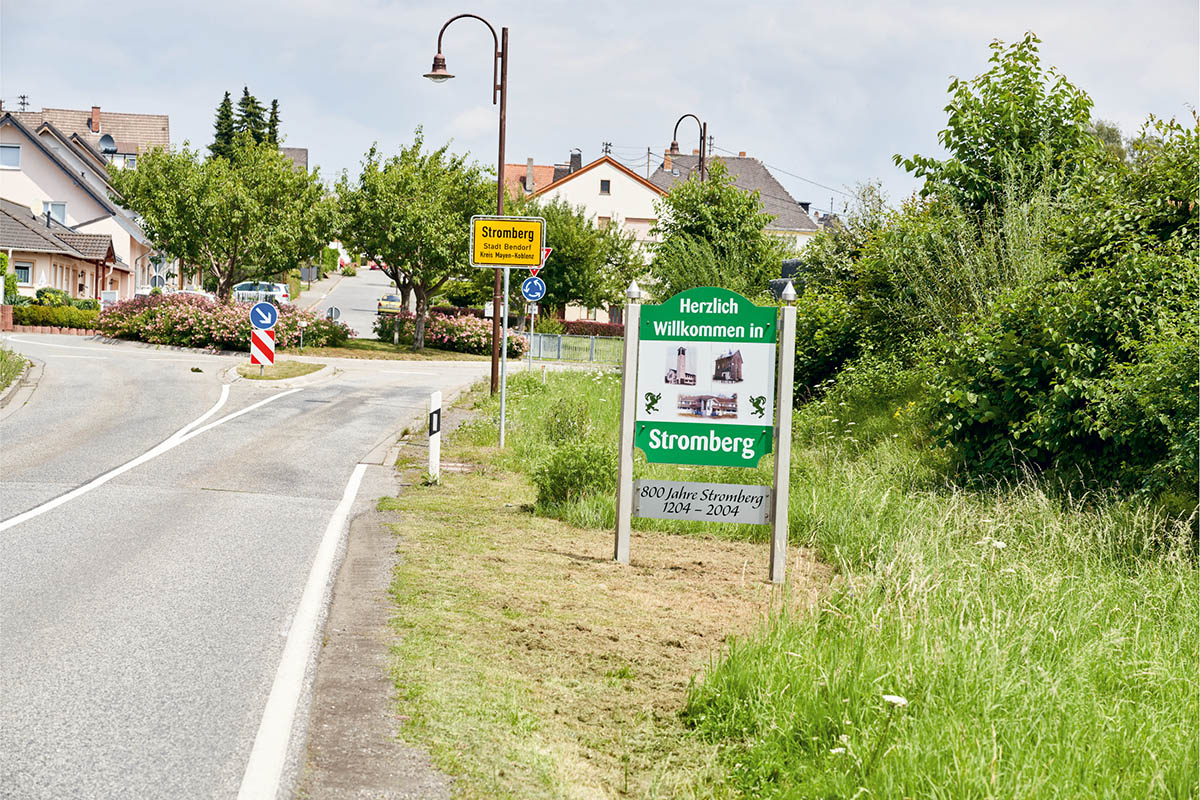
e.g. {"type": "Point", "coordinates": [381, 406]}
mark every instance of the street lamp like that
{"type": "Point", "coordinates": [675, 137]}
{"type": "Point", "coordinates": [439, 74]}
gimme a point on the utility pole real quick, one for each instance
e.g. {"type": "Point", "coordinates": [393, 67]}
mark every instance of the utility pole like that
{"type": "Point", "coordinates": [648, 157]}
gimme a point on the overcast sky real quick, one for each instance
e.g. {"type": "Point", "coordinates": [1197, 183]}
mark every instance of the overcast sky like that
{"type": "Point", "coordinates": [825, 91]}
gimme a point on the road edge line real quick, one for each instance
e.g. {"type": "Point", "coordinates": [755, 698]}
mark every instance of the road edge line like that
{"type": "Point", "coordinates": [268, 756]}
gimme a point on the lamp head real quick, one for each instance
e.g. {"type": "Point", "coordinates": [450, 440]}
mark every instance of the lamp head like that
{"type": "Point", "coordinates": [674, 148]}
{"type": "Point", "coordinates": [439, 74]}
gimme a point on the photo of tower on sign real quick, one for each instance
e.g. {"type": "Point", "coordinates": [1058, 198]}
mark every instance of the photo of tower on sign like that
{"type": "Point", "coordinates": [681, 369]}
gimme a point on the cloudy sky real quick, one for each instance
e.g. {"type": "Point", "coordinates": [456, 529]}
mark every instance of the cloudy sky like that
{"type": "Point", "coordinates": [823, 92]}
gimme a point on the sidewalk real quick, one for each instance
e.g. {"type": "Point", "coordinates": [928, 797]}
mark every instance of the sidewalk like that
{"type": "Point", "coordinates": [319, 291]}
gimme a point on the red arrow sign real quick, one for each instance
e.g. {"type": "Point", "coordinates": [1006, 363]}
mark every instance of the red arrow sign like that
{"type": "Point", "coordinates": [545, 254]}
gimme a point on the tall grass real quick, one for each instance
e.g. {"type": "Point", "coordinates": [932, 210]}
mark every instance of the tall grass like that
{"type": "Point", "coordinates": [11, 366]}
{"type": "Point", "coordinates": [1045, 646]}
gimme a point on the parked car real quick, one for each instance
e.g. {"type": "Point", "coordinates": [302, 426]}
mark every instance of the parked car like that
{"type": "Point", "coordinates": [390, 304]}
{"type": "Point", "coordinates": [255, 291]}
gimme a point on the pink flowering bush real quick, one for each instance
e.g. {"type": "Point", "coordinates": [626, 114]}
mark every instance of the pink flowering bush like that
{"type": "Point", "coordinates": [195, 321]}
{"type": "Point", "coordinates": [461, 334]}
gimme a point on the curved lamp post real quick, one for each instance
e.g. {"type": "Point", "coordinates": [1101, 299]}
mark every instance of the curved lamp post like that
{"type": "Point", "coordinates": [675, 139]}
{"type": "Point", "coordinates": [439, 74]}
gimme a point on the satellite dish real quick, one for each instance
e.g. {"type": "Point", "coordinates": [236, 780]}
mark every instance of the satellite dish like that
{"type": "Point", "coordinates": [107, 145]}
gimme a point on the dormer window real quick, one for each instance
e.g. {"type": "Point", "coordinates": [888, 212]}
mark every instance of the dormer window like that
{"type": "Point", "coordinates": [57, 211]}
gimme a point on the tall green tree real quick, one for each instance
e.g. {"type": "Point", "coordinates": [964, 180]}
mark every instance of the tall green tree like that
{"type": "Point", "coordinates": [250, 117]}
{"type": "Point", "coordinates": [713, 234]}
{"type": "Point", "coordinates": [1016, 117]}
{"type": "Point", "coordinates": [273, 123]}
{"type": "Point", "coordinates": [248, 216]}
{"type": "Point", "coordinates": [223, 130]}
{"type": "Point", "coordinates": [412, 212]}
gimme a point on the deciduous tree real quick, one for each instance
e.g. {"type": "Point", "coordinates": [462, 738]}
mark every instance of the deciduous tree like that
{"type": "Point", "coordinates": [412, 212]}
{"type": "Point", "coordinates": [248, 216]}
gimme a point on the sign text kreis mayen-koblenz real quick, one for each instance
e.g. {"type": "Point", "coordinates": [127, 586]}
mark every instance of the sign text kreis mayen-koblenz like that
{"type": "Point", "coordinates": [702, 384]}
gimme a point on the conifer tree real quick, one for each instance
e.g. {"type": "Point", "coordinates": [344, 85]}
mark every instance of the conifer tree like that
{"type": "Point", "coordinates": [223, 129]}
{"type": "Point", "coordinates": [273, 123]}
{"type": "Point", "coordinates": [250, 116]}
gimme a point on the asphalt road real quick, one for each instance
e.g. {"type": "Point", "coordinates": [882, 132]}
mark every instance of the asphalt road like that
{"type": "Point", "coordinates": [356, 298]}
{"type": "Point", "coordinates": [142, 622]}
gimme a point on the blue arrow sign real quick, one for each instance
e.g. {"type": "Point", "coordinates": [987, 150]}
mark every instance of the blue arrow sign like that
{"type": "Point", "coordinates": [264, 316]}
{"type": "Point", "coordinates": [533, 289]}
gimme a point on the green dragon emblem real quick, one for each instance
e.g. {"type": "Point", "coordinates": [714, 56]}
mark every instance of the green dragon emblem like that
{"type": "Point", "coordinates": [760, 405]}
{"type": "Point", "coordinates": [652, 402]}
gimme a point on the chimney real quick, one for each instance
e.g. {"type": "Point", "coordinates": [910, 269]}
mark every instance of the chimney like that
{"type": "Point", "coordinates": [529, 175]}
{"type": "Point", "coordinates": [95, 119]}
{"type": "Point", "coordinates": [47, 219]}
{"type": "Point", "coordinates": [666, 160]}
{"type": "Point", "coordinates": [695, 152]}
{"type": "Point", "coordinates": [576, 160]}
{"type": "Point", "coordinates": [742, 154]}
{"type": "Point", "coordinates": [805, 204]}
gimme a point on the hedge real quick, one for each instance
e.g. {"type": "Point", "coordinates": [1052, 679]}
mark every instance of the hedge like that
{"type": "Point", "coordinates": [55, 316]}
{"type": "Point", "coordinates": [587, 327]}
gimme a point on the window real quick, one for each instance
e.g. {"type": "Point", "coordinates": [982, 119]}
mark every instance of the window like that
{"type": "Point", "coordinates": [24, 272]}
{"type": "Point", "coordinates": [603, 222]}
{"type": "Point", "coordinates": [57, 210]}
{"type": "Point", "coordinates": [130, 162]}
{"type": "Point", "coordinates": [10, 156]}
{"type": "Point", "coordinates": [605, 187]}
{"type": "Point", "coordinates": [591, 313]}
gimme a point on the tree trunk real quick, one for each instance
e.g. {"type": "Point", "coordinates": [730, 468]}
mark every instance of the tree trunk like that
{"type": "Point", "coordinates": [419, 322]}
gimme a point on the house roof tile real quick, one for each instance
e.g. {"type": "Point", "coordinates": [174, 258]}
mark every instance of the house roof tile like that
{"type": "Point", "coordinates": [133, 133]}
{"type": "Point", "coordinates": [749, 175]}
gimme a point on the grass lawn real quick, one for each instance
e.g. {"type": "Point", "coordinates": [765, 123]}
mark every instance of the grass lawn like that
{"type": "Point", "coordinates": [374, 349]}
{"type": "Point", "coordinates": [11, 366]}
{"type": "Point", "coordinates": [278, 371]}
{"type": "Point", "coordinates": [991, 642]}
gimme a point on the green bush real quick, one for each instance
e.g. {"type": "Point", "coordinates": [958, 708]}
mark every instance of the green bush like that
{"type": "Point", "coordinates": [54, 316]}
{"type": "Point", "coordinates": [86, 303]}
{"type": "Point", "coordinates": [349, 271]}
{"type": "Point", "coordinates": [575, 470]}
{"type": "Point", "coordinates": [1041, 380]}
{"type": "Point", "coordinates": [329, 261]}
{"type": "Point", "coordinates": [827, 336]}
{"type": "Point", "coordinates": [10, 287]}
{"type": "Point", "coordinates": [566, 420]}
{"type": "Point", "coordinates": [52, 298]}
{"type": "Point", "coordinates": [549, 324]}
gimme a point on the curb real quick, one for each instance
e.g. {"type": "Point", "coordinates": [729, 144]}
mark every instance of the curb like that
{"type": "Point", "coordinates": [27, 383]}
{"type": "Point", "coordinates": [17, 383]}
{"type": "Point", "coordinates": [230, 375]}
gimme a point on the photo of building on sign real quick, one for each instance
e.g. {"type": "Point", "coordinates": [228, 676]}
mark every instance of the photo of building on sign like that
{"type": "Point", "coordinates": [681, 367]}
{"type": "Point", "coordinates": [718, 406]}
{"type": "Point", "coordinates": [729, 367]}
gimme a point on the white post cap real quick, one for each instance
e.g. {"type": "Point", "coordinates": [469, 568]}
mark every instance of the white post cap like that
{"type": "Point", "coordinates": [789, 293]}
{"type": "Point", "coordinates": [634, 292]}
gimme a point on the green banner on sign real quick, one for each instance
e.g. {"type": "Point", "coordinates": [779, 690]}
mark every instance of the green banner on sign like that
{"type": "Point", "coordinates": [713, 444]}
{"type": "Point", "coordinates": [708, 314]}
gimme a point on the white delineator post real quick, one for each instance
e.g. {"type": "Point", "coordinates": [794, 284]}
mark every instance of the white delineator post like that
{"type": "Point", "coordinates": [435, 437]}
{"type": "Point", "coordinates": [633, 313]}
{"type": "Point", "coordinates": [783, 435]}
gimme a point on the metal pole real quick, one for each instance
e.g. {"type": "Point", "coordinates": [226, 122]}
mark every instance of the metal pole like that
{"type": "Point", "coordinates": [628, 412]}
{"type": "Point", "coordinates": [504, 361]}
{"type": "Point", "coordinates": [783, 436]}
{"type": "Point", "coordinates": [532, 312]}
{"type": "Point", "coordinates": [497, 298]}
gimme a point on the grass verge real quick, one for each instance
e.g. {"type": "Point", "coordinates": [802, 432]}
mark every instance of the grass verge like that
{"type": "Point", "coordinates": [11, 366]}
{"type": "Point", "coordinates": [1034, 644]}
{"type": "Point", "coordinates": [532, 666]}
{"type": "Point", "coordinates": [280, 370]}
{"type": "Point", "coordinates": [373, 349]}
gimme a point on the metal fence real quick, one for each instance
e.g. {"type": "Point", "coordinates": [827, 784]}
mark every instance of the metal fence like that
{"type": "Point", "coordinates": [559, 347]}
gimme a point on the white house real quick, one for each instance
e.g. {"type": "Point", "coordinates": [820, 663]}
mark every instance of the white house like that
{"type": "Point", "coordinates": [48, 172]}
{"type": "Point", "coordinates": [612, 194]}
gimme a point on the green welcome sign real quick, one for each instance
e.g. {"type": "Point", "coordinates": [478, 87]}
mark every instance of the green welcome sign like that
{"type": "Point", "coordinates": [706, 379]}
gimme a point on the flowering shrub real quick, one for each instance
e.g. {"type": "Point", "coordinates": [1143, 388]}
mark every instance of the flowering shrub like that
{"type": "Point", "coordinates": [196, 321]}
{"type": "Point", "coordinates": [459, 334]}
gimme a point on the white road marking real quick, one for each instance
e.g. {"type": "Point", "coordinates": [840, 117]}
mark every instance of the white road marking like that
{"type": "Point", "coordinates": [171, 442]}
{"type": "Point", "coordinates": [60, 355]}
{"type": "Point", "coordinates": [117, 351]}
{"type": "Point", "coordinates": [269, 753]}
{"type": "Point", "coordinates": [48, 344]}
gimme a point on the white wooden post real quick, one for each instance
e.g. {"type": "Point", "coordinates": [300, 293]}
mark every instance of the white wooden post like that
{"type": "Point", "coordinates": [633, 313]}
{"type": "Point", "coordinates": [435, 437]}
{"type": "Point", "coordinates": [783, 435]}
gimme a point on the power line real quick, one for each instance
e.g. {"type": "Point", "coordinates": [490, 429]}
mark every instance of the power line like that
{"type": "Point", "coordinates": [793, 175]}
